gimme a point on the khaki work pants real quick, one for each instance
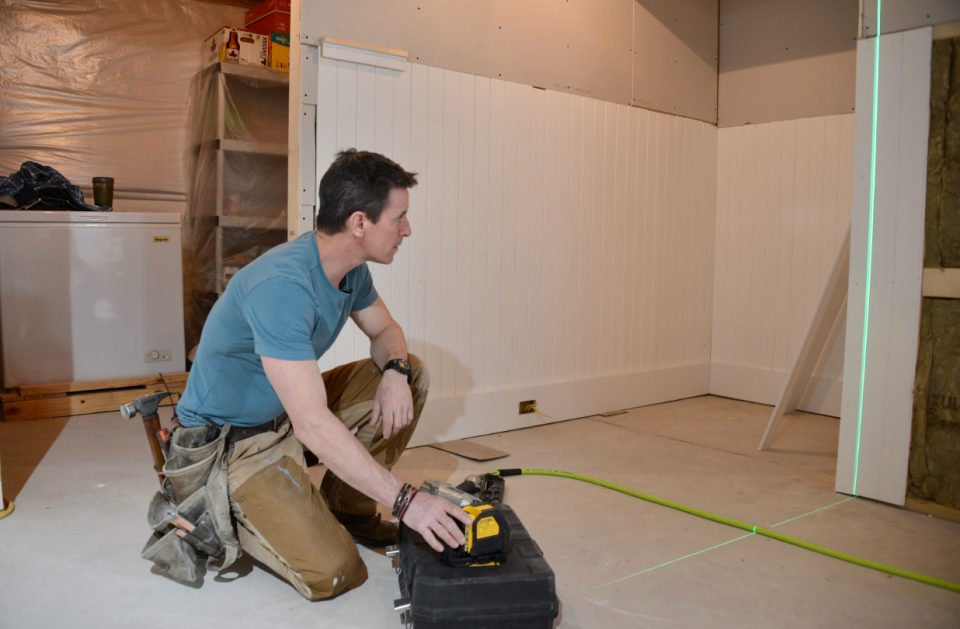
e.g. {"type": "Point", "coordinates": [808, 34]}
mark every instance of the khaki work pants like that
{"type": "Point", "coordinates": [283, 521]}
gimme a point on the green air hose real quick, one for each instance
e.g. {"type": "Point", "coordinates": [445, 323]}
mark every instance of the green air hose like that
{"type": "Point", "coordinates": [955, 587]}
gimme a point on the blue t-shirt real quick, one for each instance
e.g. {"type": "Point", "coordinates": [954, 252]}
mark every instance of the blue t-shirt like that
{"type": "Point", "coordinates": [281, 305]}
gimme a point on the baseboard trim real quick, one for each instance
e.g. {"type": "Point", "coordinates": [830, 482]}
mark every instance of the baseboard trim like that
{"type": "Point", "coordinates": [464, 416]}
{"type": "Point", "coordinates": [822, 396]}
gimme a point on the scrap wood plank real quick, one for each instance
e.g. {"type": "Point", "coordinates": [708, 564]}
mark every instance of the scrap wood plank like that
{"type": "Point", "coordinates": [44, 396]}
{"type": "Point", "coordinates": [65, 399]}
{"type": "Point", "coordinates": [82, 403]}
{"type": "Point", "coordinates": [9, 395]}
{"type": "Point", "coordinates": [943, 283]}
{"type": "Point", "coordinates": [928, 507]}
{"type": "Point", "coordinates": [96, 385]}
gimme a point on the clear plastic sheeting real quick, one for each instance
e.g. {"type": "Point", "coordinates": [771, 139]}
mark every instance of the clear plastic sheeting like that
{"type": "Point", "coordinates": [99, 88]}
{"type": "Point", "coordinates": [237, 185]}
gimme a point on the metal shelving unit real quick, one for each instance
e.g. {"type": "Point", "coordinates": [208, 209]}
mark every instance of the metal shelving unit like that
{"type": "Point", "coordinates": [236, 229]}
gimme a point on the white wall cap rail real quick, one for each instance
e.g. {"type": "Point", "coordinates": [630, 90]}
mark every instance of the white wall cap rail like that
{"type": "Point", "coordinates": [366, 54]}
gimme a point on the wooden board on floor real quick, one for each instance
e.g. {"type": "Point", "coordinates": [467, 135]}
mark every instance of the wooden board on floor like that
{"type": "Point", "coordinates": [171, 379]}
{"type": "Point", "coordinates": [64, 399]}
{"type": "Point", "coordinates": [929, 507]}
{"type": "Point", "coordinates": [470, 450]}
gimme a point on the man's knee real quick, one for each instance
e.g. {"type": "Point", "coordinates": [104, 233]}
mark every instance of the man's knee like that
{"type": "Point", "coordinates": [336, 576]}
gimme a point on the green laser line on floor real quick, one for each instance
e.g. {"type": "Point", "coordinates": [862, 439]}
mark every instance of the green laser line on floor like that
{"type": "Point", "coordinates": [815, 511]}
{"type": "Point", "coordinates": [672, 561]}
{"type": "Point", "coordinates": [750, 534]}
{"type": "Point", "coordinates": [866, 563]}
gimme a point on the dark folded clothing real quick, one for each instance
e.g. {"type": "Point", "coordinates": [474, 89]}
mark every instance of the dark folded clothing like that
{"type": "Point", "coordinates": [39, 187]}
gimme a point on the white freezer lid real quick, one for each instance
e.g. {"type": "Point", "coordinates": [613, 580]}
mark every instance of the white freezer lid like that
{"type": "Point", "coordinates": [31, 216]}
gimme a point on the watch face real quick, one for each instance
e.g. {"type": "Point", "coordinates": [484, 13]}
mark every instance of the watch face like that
{"type": "Point", "coordinates": [403, 363]}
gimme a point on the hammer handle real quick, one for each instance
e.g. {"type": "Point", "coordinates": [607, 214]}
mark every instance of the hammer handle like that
{"type": "Point", "coordinates": [151, 424]}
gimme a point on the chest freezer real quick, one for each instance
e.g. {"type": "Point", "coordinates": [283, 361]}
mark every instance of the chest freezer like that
{"type": "Point", "coordinates": [89, 296]}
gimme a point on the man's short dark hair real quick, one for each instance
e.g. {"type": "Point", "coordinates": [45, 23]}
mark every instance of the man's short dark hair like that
{"type": "Point", "coordinates": [358, 181]}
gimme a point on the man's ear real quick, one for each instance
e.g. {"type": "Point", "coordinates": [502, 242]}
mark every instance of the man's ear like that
{"type": "Point", "coordinates": [357, 223]}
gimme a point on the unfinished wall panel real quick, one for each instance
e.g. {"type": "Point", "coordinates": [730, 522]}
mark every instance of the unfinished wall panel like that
{"type": "Point", "coordinates": [579, 47]}
{"type": "Point", "coordinates": [556, 238]}
{"type": "Point", "coordinates": [786, 60]}
{"type": "Point", "coordinates": [675, 57]}
{"type": "Point", "coordinates": [902, 15]}
{"type": "Point", "coordinates": [783, 204]}
{"type": "Point", "coordinates": [652, 53]}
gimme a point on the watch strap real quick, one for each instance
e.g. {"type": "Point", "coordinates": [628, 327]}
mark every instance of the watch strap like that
{"type": "Point", "coordinates": [397, 364]}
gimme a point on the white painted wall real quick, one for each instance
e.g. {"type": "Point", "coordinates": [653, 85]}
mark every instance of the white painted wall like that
{"type": "Point", "coordinates": [875, 444]}
{"type": "Point", "coordinates": [562, 247]}
{"type": "Point", "coordinates": [783, 204]}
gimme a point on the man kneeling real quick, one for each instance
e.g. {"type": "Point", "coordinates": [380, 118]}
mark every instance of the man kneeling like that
{"type": "Point", "coordinates": [256, 372]}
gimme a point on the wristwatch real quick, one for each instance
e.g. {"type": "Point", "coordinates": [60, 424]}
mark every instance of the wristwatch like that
{"type": "Point", "coordinates": [399, 364]}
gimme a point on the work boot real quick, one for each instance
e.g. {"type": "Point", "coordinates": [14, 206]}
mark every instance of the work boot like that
{"type": "Point", "coordinates": [369, 530]}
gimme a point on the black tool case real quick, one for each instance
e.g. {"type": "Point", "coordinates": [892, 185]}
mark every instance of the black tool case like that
{"type": "Point", "coordinates": [518, 594]}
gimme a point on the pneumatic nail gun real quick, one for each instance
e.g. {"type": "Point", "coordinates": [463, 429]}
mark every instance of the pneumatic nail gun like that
{"type": "Point", "coordinates": [488, 536]}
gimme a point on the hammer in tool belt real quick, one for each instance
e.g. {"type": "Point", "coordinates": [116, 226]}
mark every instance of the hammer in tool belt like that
{"type": "Point", "coordinates": [147, 407]}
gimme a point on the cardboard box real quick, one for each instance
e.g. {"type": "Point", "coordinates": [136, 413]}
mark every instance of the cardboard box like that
{"type": "Point", "coordinates": [274, 23]}
{"type": "Point", "coordinates": [279, 56]}
{"type": "Point", "coordinates": [272, 16]}
{"type": "Point", "coordinates": [232, 45]}
{"type": "Point", "coordinates": [262, 9]}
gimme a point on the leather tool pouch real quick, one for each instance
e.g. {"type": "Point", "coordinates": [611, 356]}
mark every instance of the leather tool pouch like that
{"type": "Point", "coordinates": [191, 516]}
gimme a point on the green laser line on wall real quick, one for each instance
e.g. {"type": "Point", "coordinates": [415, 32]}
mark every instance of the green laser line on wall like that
{"type": "Point", "coordinates": [866, 299]}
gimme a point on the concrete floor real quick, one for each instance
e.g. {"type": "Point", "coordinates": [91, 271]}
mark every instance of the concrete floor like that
{"type": "Point", "coordinates": [69, 554]}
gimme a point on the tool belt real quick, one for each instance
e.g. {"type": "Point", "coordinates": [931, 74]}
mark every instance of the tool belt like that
{"type": "Point", "coordinates": [191, 516]}
{"type": "Point", "coordinates": [239, 433]}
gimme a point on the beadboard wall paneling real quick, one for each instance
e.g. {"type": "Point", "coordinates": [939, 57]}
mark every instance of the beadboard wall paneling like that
{"type": "Point", "coordinates": [556, 238]}
{"type": "Point", "coordinates": [784, 193]}
{"type": "Point", "coordinates": [889, 184]}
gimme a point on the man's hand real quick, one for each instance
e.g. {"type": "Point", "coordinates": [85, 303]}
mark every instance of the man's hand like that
{"type": "Point", "coordinates": [433, 518]}
{"type": "Point", "coordinates": [394, 402]}
{"type": "Point", "coordinates": [393, 398]}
